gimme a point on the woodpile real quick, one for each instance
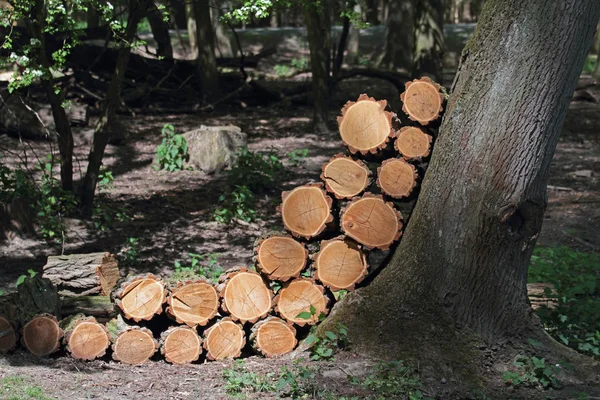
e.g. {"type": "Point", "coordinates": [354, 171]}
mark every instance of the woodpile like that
{"type": "Point", "coordinates": [331, 228]}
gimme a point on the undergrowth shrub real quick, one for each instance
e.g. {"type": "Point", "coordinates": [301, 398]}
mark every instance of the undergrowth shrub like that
{"type": "Point", "coordinates": [172, 152]}
{"type": "Point", "coordinates": [199, 265]}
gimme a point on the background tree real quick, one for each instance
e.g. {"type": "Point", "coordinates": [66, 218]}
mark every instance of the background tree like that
{"type": "Point", "coordinates": [429, 39]}
{"type": "Point", "coordinates": [159, 24]}
{"type": "Point", "coordinates": [399, 36]}
{"type": "Point", "coordinates": [205, 41]}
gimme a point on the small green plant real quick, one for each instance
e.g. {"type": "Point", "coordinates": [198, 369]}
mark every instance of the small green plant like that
{"type": "Point", "coordinates": [300, 63]}
{"type": "Point", "coordinates": [131, 252]}
{"type": "Point", "coordinates": [18, 388]}
{"type": "Point", "coordinates": [258, 172]}
{"type": "Point", "coordinates": [532, 372]}
{"type": "Point", "coordinates": [282, 70]}
{"type": "Point", "coordinates": [393, 379]}
{"type": "Point", "coordinates": [340, 294]}
{"type": "Point", "coordinates": [297, 382]}
{"type": "Point", "coordinates": [206, 265]}
{"type": "Point", "coordinates": [239, 382]}
{"type": "Point", "coordinates": [297, 156]}
{"type": "Point", "coordinates": [323, 348]}
{"type": "Point", "coordinates": [172, 152]}
{"type": "Point", "coordinates": [22, 278]}
{"type": "Point", "coordinates": [237, 204]}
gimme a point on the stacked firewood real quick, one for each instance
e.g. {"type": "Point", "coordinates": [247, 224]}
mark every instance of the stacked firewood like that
{"type": "Point", "coordinates": [338, 218]}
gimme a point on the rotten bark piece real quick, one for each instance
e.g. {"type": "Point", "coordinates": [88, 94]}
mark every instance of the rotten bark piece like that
{"type": "Point", "coordinates": [396, 178]}
{"type": "Point", "coordinates": [141, 297]}
{"type": "Point", "coordinates": [413, 143]}
{"type": "Point", "coordinates": [83, 274]}
{"type": "Point", "coordinates": [180, 345]}
{"type": "Point", "coordinates": [280, 257]}
{"type": "Point", "coordinates": [273, 337]}
{"type": "Point", "coordinates": [371, 221]}
{"type": "Point", "coordinates": [36, 296]}
{"type": "Point", "coordinates": [297, 297]}
{"type": "Point", "coordinates": [340, 264]}
{"type": "Point", "coordinates": [86, 339]}
{"type": "Point", "coordinates": [134, 346]}
{"type": "Point", "coordinates": [306, 210]}
{"type": "Point", "coordinates": [423, 101]}
{"type": "Point", "coordinates": [245, 295]}
{"type": "Point", "coordinates": [345, 177]}
{"type": "Point", "coordinates": [42, 335]}
{"type": "Point", "coordinates": [193, 303]}
{"type": "Point", "coordinates": [365, 126]}
{"type": "Point", "coordinates": [225, 339]}
{"type": "Point", "coordinates": [8, 336]}
{"type": "Point", "coordinates": [99, 307]}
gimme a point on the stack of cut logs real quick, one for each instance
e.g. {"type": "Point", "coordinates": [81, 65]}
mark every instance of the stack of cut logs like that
{"type": "Point", "coordinates": [242, 305]}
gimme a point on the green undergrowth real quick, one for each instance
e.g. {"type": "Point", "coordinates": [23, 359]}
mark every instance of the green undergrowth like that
{"type": "Point", "coordinates": [204, 266]}
{"type": "Point", "coordinates": [19, 388]}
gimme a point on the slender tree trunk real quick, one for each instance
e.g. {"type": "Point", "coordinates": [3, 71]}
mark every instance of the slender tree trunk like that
{"type": "Point", "coordinates": [429, 39]}
{"type": "Point", "coordinates": [399, 36]}
{"type": "Point", "coordinates": [222, 42]}
{"type": "Point", "coordinates": [93, 18]}
{"type": "Point", "coordinates": [137, 8]}
{"type": "Point", "coordinates": [205, 40]}
{"type": "Point", "coordinates": [191, 28]}
{"type": "Point", "coordinates": [341, 49]}
{"type": "Point", "coordinates": [462, 263]}
{"type": "Point", "coordinates": [160, 32]}
{"type": "Point", "coordinates": [596, 50]}
{"type": "Point", "coordinates": [371, 12]}
{"type": "Point", "coordinates": [318, 29]}
{"type": "Point", "coordinates": [353, 41]}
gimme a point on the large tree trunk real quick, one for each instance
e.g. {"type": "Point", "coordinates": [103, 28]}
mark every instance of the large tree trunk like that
{"type": "Point", "coordinates": [160, 32]}
{"type": "Point", "coordinates": [191, 28]}
{"type": "Point", "coordinates": [462, 264]}
{"type": "Point", "coordinates": [318, 29]}
{"type": "Point", "coordinates": [399, 36]}
{"type": "Point", "coordinates": [102, 132]}
{"type": "Point", "coordinates": [429, 38]}
{"type": "Point", "coordinates": [371, 12]}
{"type": "Point", "coordinates": [205, 40]}
{"type": "Point", "coordinates": [222, 42]}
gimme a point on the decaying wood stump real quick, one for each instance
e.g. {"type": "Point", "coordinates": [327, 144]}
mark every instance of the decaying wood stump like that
{"type": "Point", "coordinates": [371, 221]}
{"type": "Point", "coordinates": [141, 297]}
{"type": "Point", "coordinates": [99, 307]}
{"type": "Point", "coordinates": [280, 257]}
{"type": "Point", "coordinates": [345, 177]}
{"type": "Point", "coordinates": [134, 346]}
{"type": "Point", "coordinates": [42, 335]}
{"type": "Point", "coordinates": [365, 126]}
{"type": "Point", "coordinates": [193, 303]}
{"type": "Point", "coordinates": [225, 339]}
{"type": "Point", "coordinates": [340, 264]}
{"type": "Point", "coordinates": [83, 274]}
{"type": "Point", "coordinates": [423, 101]}
{"type": "Point", "coordinates": [413, 143]}
{"type": "Point", "coordinates": [397, 178]}
{"type": "Point", "coordinates": [245, 295]}
{"type": "Point", "coordinates": [297, 297]}
{"type": "Point", "coordinates": [180, 345]}
{"type": "Point", "coordinates": [36, 296]}
{"type": "Point", "coordinates": [8, 336]}
{"type": "Point", "coordinates": [273, 337]}
{"type": "Point", "coordinates": [85, 338]}
{"type": "Point", "coordinates": [306, 210]}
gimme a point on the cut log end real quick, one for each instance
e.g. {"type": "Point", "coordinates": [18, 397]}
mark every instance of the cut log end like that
{"type": "Point", "coordinates": [225, 339]}
{"type": "Point", "coordinates": [297, 297]}
{"type": "Point", "coordinates": [396, 178]}
{"type": "Point", "coordinates": [134, 346]}
{"type": "Point", "coordinates": [422, 100]}
{"type": "Point", "coordinates": [365, 126]}
{"type": "Point", "coordinates": [194, 303]}
{"type": "Point", "coordinates": [413, 143]}
{"type": "Point", "coordinates": [371, 221]}
{"type": "Point", "coordinates": [306, 210]}
{"type": "Point", "coordinates": [8, 336]}
{"type": "Point", "coordinates": [246, 297]}
{"type": "Point", "coordinates": [181, 345]}
{"type": "Point", "coordinates": [281, 257]}
{"type": "Point", "coordinates": [340, 264]}
{"type": "Point", "coordinates": [273, 337]}
{"type": "Point", "coordinates": [140, 298]}
{"type": "Point", "coordinates": [87, 339]}
{"type": "Point", "coordinates": [42, 335]}
{"type": "Point", "coordinates": [345, 177]}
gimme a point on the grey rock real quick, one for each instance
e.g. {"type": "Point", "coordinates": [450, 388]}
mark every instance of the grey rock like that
{"type": "Point", "coordinates": [212, 148]}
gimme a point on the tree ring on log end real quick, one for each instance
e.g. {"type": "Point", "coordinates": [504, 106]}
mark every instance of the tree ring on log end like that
{"type": "Point", "coordinates": [297, 297]}
{"type": "Point", "coordinates": [365, 126]}
{"type": "Point", "coordinates": [246, 297]}
{"type": "Point", "coordinates": [340, 264]}
{"type": "Point", "coordinates": [371, 221]}
{"type": "Point", "coordinates": [422, 100]}
{"type": "Point", "coordinates": [193, 303]}
{"type": "Point", "coordinates": [88, 339]}
{"type": "Point", "coordinates": [281, 257]}
{"type": "Point", "coordinates": [134, 346]}
{"type": "Point", "coordinates": [181, 345]}
{"type": "Point", "coordinates": [306, 210]}
{"type": "Point", "coordinates": [8, 336]}
{"type": "Point", "coordinates": [225, 339]}
{"type": "Point", "coordinates": [413, 143]}
{"type": "Point", "coordinates": [345, 177]}
{"type": "Point", "coordinates": [273, 337]}
{"type": "Point", "coordinates": [42, 335]}
{"type": "Point", "coordinates": [142, 298]}
{"type": "Point", "coordinates": [396, 178]}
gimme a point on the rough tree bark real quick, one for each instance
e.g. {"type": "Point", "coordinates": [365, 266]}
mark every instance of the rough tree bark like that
{"type": "Point", "coordinates": [399, 36]}
{"type": "Point", "coordinates": [460, 272]}
{"type": "Point", "coordinates": [205, 41]}
{"type": "Point", "coordinates": [429, 39]}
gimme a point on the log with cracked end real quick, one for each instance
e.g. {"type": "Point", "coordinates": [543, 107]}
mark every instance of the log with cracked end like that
{"type": "Point", "coordinates": [340, 264]}
{"type": "Point", "coordinates": [306, 210]}
{"type": "Point", "coordinates": [280, 257]}
{"type": "Point", "coordinates": [423, 101]}
{"type": "Point", "coordinates": [365, 126]}
{"type": "Point", "coordinates": [396, 178]}
{"type": "Point", "coordinates": [225, 339]}
{"type": "Point", "coordinates": [180, 345]}
{"type": "Point", "coordinates": [345, 177]}
{"type": "Point", "coordinates": [298, 298]}
{"type": "Point", "coordinates": [273, 337]}
{"type": "Point", "coordinates": [413, 143]}
{"type": "Point", "coordinates": [85, 338]}
{"type": "Point", "coordinates": [371, 221]}
{"type": "Point", "coordinates": [42, 335]}
{"type": "Point", "coordinates": [246, 297]}
{"type": "Point", "coordinates": [193, 302]}
{"type": "Point", "coordinates": [8, 335]}
{"type": "Point", "coordinates": [141, 297]}
{"type": "Point", "coordinates": [134, 346]}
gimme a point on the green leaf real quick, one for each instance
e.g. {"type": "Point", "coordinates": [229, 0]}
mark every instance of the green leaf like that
{"type": "Point", "coordinates": [304, 315]}
{"type": "Point", "coordinates": [313, 310]}
{"type": "Point", "coordinates": [331, 335]}
{"type": "Point", "coordinates": [21, 279]}
{"type": "Point", "coordinates": [310, 339]}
